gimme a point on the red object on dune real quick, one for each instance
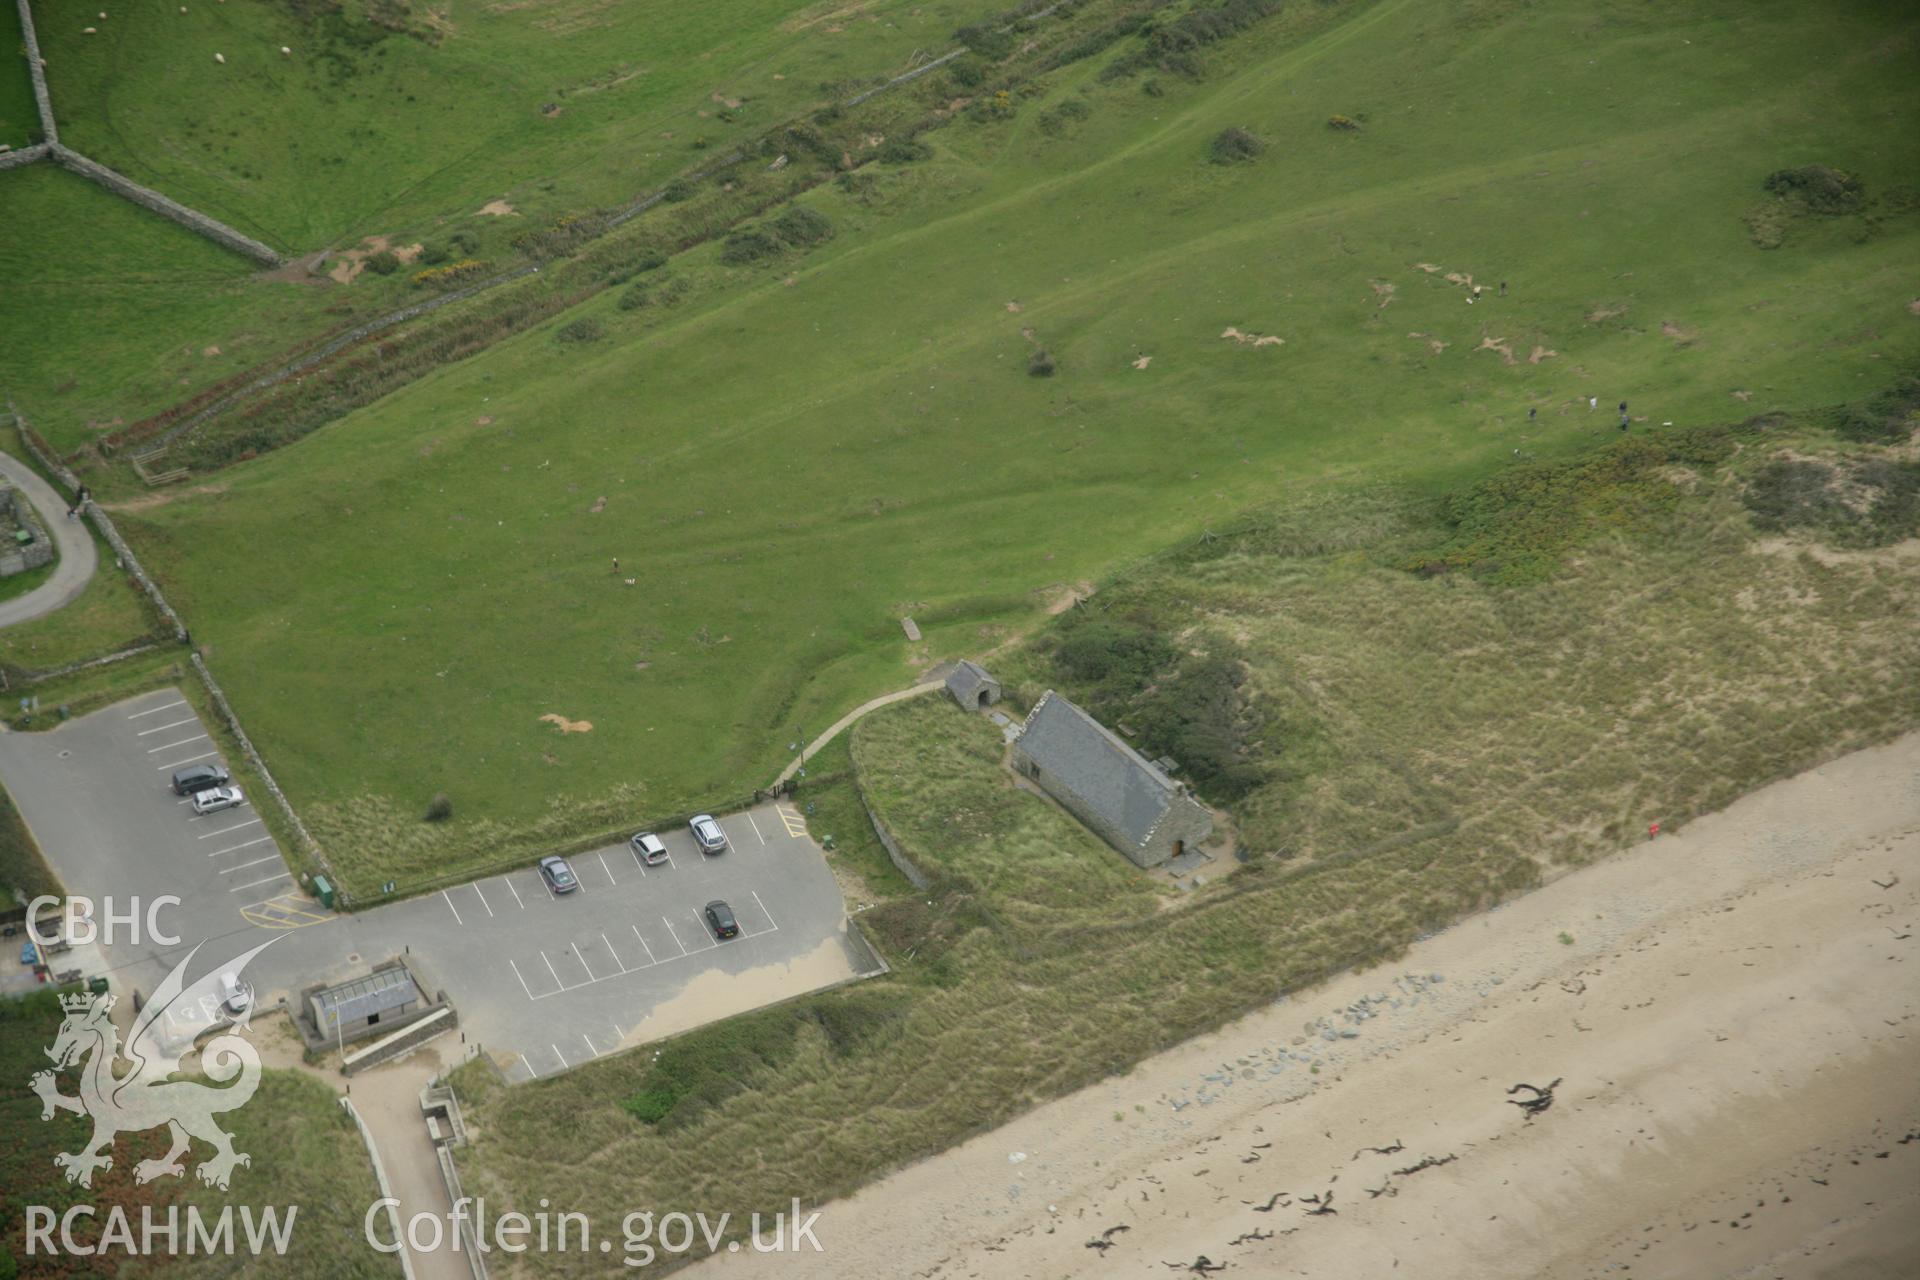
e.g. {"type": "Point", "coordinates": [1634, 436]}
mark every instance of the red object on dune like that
{"type": "Point", "coordinates": [1654, 829]}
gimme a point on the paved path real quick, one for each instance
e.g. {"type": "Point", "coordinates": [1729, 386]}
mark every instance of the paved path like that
{"type": "Point", "coordinates": [839, 725]}
{"type": "Point", "coordinates": [77, 557]}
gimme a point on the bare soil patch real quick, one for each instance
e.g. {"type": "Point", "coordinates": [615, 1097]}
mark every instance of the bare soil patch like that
{"type": "Point", "coordinates": [565, 725]}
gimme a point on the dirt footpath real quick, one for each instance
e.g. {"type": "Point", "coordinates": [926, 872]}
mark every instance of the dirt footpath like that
{"type": "Point", "coordinates": [1729, 1012]}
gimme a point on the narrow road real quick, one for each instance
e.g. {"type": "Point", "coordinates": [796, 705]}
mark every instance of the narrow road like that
{"type": "Point", "coordinates": [77, 558]}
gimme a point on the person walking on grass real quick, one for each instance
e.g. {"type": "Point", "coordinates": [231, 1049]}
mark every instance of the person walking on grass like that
{"type": "Point", "coordinates": [1593, 402]}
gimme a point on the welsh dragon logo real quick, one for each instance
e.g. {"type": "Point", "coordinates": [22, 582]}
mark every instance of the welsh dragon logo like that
{"type": "Point", "coordinates": [144, 1097]}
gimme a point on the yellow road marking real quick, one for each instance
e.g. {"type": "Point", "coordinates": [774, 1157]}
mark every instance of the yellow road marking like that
{"type": "Point", "coordinates": [290, 911]}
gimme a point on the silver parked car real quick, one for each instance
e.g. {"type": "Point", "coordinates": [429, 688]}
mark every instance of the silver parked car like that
{"type": "Point", "coordinates": [647, 847]}
{"type": "Point", "coordinates": [214, 799]}
{"type": "Point", "coordinates": [707, 834]}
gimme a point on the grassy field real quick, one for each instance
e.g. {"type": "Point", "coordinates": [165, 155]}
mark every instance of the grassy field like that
{"type": "Point", "coordinates": [1449, 741]}
{"type": "Point", "coordinates": [389, 117]}
{"type": "Point", "coordinates": [113, 313]}
{"type": "Point", "coordinates": [305, 1150]}
{"type": "Point", "coordinates": [803, 449]}
{"type": "Point", "coordinates": [397, 131]}
{"type": "Point", "coordinates": [19, 115]}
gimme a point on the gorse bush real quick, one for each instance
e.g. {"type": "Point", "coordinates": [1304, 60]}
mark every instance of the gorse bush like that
{"type": "Point", "coordinates": [452, 273]}
{"type": "Point", "coordinates": [439, 809]}
{"type": "Point", "coordinates": [1040, 364]}
{"type": "Point", "coordinates": [634, 297]}
{"type": "Point", "coordinates": [585, 329]}
{"type": "Point", "coordinates": [1235, 146]}
{"type": "Point", "coordinates": [802, 227]}
{"type": "Point", "coordinates": [1056, 120]}
{"type": "Point", "coordinates": [1818, 189]}
{"type": "Point", "coordinates": [384, 263]}
{"type": "Point", "coordinates": [904, 150]}
{"type": "Point", "coordinates": [751, 245]}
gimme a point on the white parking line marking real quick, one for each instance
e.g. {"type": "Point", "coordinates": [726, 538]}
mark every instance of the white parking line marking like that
{"type": "Point", "coordinates": [583, 961]}
{"type": "Point", "coordinates": [250, 822]}
{"type": "Point", "coordinates": [763, 908]}
{"type": "Point", "coordinates": [456, 911]}
{"type": "Point", "coordinates": [756, 829]}
{"type": "Point", "coordinates": [676, 937]}
{"type": "Point", "coordinates": [644, 947]}
{"type": "Point", "coordinates": [541, 876]}
{"type": "Point", "coordinates": [604, 867]}
{"type": "Point", "coordinates": [615, 954]}
{"type": "Point", "coordinates": [227, 871]}
{"type": "Point", "coordinates": [515, 892]}
{"type": "Point", "coordinates": [284, 875]}
{"type": "Point", "coordinates": [488, 905]}
{"type": "Point", "coordinates": [556, 1053]}
{"type": "Point", "coordinates": [523, 982]}
{"type": "Point", "coordinates": [705, 932]}
{"type": "Point", "coordinates": [556, 976]}
{"type": "Point", "coordinates": [162, 728]}
{"type": "Point", "coordinates": [174, 764]}
{"type": "Point", "coordinates": [590, 1049]}
{"type": "Point", "coordinates": [235, 848]}
{"type": "Point", "coordinates": [156, 710]}
{"type": "Point", "coordinates": [198, 737]}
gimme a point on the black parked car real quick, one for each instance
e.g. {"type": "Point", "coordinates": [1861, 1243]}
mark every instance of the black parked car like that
{"type": "Point", "coordinates": [720, 920]}
{"type": "Point", "coordinates": [199, 777]}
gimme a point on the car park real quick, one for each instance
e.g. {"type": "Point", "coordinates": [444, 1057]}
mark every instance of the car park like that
{"type": "Point", "coordinates": [648, 848]}
{"type": "Point", "coordinates": [196, 778]}
{"type": "Point", "coordinates": [720, 920]}
{"type": "Point", "coordinates": [558, 875]}
{"type": "Point", "coordinates": [214, 799]}
{"type": "Point", "coordinates": [707, 834]}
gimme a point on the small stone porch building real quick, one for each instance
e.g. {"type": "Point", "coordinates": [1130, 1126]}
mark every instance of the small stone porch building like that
{"type": "Point", "coordinates": [1124, 799]}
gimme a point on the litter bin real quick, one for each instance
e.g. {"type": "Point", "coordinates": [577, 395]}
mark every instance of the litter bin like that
{"type": "Point", "coordinates": [98, 986]}
{"type": "Point", "coordinates": [323, 890]}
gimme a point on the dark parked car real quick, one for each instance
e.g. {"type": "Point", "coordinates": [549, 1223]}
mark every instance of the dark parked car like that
{"type": "Point", "coordinates": [558, 875]}
{"type": "Point", "coordinates": [707, 834]}
{"type": "Point", "coordinates": [720, 920]}
{"type": "Point", "coordinates": [199, 777]}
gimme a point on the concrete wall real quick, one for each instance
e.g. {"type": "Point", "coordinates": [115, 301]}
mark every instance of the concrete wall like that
{"type": "Point", "coordinates": [147, 198]}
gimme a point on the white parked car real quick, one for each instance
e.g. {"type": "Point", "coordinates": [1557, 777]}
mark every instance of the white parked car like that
{"type": "Point", "coordinates": [214, 799]}
{"type": "Point", "coordinates": [647, 847]}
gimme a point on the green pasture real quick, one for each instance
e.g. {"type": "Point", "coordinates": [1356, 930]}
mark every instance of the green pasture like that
{"type": "Point", "coordinates": [19, 114]}
{"type": "Point", "coordinates": [393, 116]}
{"type": "Point", "coordinates": [802, 451]}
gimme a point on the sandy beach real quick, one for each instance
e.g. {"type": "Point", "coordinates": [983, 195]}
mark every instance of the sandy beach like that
{"type": "Point", "coordinates": [1725, 1016]}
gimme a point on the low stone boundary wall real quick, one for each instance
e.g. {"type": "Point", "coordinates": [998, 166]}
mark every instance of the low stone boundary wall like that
{"type": "Point", "coordinates": [266, 776]}
{"type": "Point", "coordinates": [130, 562]}
{"type": "Point", "coordinates": [147, 198]}
{"type": "Point", "coordinates": [26, 155]}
